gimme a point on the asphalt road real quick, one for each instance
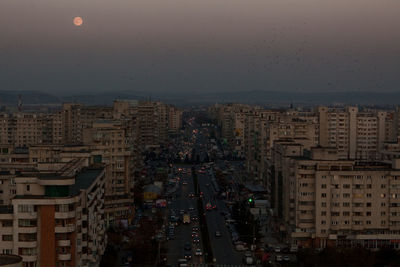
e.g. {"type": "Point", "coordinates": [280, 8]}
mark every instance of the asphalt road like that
{"type": "Point", "coordinates": [223, 249]}
{"type": "Point", "coordinates": [183, 232]}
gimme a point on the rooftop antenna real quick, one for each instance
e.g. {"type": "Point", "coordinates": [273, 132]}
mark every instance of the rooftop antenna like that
{"type": "Point", "coordinates": [19, 102]}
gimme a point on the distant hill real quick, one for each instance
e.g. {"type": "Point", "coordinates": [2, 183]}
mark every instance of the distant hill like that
{"type": "Point", "coordinates": [10, 98]}
{"type": "Point", "coordinates": [249, 97]}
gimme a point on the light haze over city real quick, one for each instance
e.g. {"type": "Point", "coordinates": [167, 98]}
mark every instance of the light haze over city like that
{"type": "Point", "coordinates": [200, 46]}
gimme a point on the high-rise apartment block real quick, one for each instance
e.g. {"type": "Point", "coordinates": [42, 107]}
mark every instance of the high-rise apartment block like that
{"type": "Point", "coordinates": [331, 173]}
{"type": "Point", "coordinates": [67, 175]}
{"type": "Point", "coordinates": [54, 215]}
{"type": "Point", "coordinates": [326, 201]}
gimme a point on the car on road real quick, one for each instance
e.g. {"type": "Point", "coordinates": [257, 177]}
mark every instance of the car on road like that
{"type": "Point", "coordinates": [195, 228]}
{"type": "Point", "coordinates": [293, 249]}
{"type": "Point", "coordinates": [187, 246]}
{"type": "Point", "coordinates": [191, 208]}
{"type": "Point", "coordinates": [196, 240]}
{"type": "Point", "coordinates": [198, 252]}
{"type": "Point", "coordinates": [248, 253]}
{"type": "Point", "coordinates": [188, 255]}
{"type": "Point", "coordinates": [218, 234]}
{"type": "Point", "coordinates": [230, 221]}
{"type": "Point", "coordinates": [277, 249]}
{"type": "Point", "coordinates": [240, 247]}
{"type": "Point", "coordinates": [191, 194]}
{"type": "Point", "coordinates": [286, 258]}
{"type": "Point", "coordinates": [182, 262]}
{"type": "Point", "coordinates": [248, 260]}
{"type": "Point", "coordinates": [194, 233]}
{"type": "Point", "coordinates": [186, 218]}
{"type": "Point", "coordinates": [278, 258]}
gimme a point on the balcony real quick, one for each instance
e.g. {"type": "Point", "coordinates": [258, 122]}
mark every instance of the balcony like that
{"type": "Point", "coordinates": [357, 227]}
{"type": "Point", "coordinates": [331, 236]}
{"type": "Point", "coordinates": [358, 193]}
{"type": "Point", "coordinates": [29, 258]}
{"type": "Point", "coordinates": [64, 243]}
{"type": "Point", "coordinates": [27, 244]}
{"type": "Point", "coordinates": [306, 207]}
{"type": "Point", "coordinates": [64, 257]}
{"type": "Point", "coordinates": [306, 217]}
{"type": "Point", "coordinates": [27, 215]}
{"type": "Point", "coordinates": [306, 225]}
{"type": "Point", "coordinates": [7, 230]}
{"type": "Point", "coordinates": [27, 230]}
{"type": "Point", "coordinates": [65, 229]}
{"type": "Point", "coordinates": [358, 209]}
{"type": "Point", "coordinates": [64, 215]}
{"type": "Point", "coordinates": [306, 198]}
{"type": "Point", "coordinates": [300, 234]}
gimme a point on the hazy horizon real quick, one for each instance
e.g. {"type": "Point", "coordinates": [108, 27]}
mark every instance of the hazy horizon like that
{"type": "Point", "coordinates": [200, 46]}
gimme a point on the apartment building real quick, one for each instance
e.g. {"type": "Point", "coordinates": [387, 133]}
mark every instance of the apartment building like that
{"type": "Point", "coordinates": [112, 143]}
{"type": "Point", "coordinates": [356, 135]}
{"type": "Point", "coordinates": [344, 203]}
{"type": "Point", "coordinates": [55, 218]}
{"type": "Point", "coordinates": [25, 129]}
{"type": "Point", "coordinates": [174, 120]}
{"type": "Point", "coordinates": [76, 117]}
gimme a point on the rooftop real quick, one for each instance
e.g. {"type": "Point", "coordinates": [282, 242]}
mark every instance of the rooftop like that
{"type": "Point", "coordinates": [6, 259]}
{"type": "Point", "coordinates": [85, 179]}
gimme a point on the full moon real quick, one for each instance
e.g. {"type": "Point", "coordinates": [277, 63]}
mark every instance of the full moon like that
{"type": "Point", "coordinates": [78, 21]}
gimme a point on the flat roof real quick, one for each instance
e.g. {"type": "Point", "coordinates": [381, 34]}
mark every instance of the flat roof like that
{"type": "Point", "coordinates": [84, 179]}
{"type": "Point", "coordinates": [6, 259]}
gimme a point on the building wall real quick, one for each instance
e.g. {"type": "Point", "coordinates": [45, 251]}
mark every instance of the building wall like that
{"type": "Point", "coordinates": [46, 227]}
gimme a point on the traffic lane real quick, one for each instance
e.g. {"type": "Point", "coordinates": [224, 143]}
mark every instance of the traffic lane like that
{"type": "Point", "coordinates": [223, 249]}
{"type": "Point", "coordinates": [183, 232]}
{"type": "Point", "coordinates": [174, 249]}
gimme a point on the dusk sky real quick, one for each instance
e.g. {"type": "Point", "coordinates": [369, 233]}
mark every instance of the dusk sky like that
{"type": "Point", "coordinates": [200, 45]}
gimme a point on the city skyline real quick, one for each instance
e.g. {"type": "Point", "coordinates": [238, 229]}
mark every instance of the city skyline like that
{"type": "Point", "coordinates": [200, 46]}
